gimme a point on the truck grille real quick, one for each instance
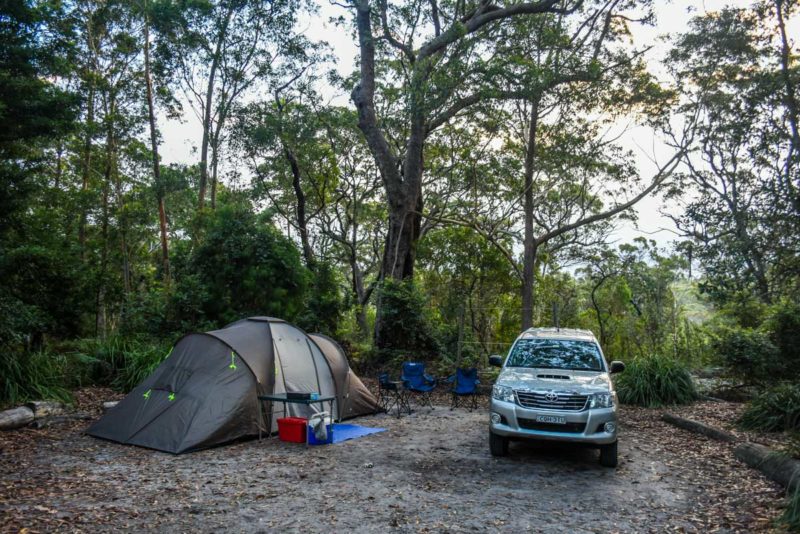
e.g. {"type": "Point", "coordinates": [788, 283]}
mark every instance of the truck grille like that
{"type": "Point", "coordinates": [571, 428]}
{"type": "Point", "coordinates": [564, 401]}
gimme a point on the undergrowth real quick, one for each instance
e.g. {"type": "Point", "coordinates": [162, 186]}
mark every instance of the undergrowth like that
{"type": "Point", "coordinates": [53, 373]}
{"type": "Point", "coordinates": [791, 515]}
{"type": "Point", "coordinates": [653, 381]}
{"type": "Point", "coordinates": [773, 410]}
{"type": "Point", "coordinates": [35, 376]}
{"type": "Point", "coordinates": [123, 363]}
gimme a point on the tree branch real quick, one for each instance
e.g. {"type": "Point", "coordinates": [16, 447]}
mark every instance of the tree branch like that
{"type": "Point", "coordinates": [663, 173]}
{"type": "Point", "coordinates": [512, 94]}
{"type": "Point", "coordinates": [391, 39]}
{"type": "Point", "coordinates": [486, 14]}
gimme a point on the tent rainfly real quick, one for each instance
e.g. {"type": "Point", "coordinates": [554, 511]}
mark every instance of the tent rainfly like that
{"type": "Point", "coordinates": [205, 392]}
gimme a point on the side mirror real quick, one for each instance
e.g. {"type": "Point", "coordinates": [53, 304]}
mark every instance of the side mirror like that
{"type": "Point", "coordinates": [495, 360]}
{"type": "Point", "coordinates": [616, 367]}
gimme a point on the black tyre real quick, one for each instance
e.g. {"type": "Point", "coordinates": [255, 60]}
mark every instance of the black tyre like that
{"type": "Point", "coordinates": [498, 445]}
{"type": "Point", "coordinates": [608, 455]}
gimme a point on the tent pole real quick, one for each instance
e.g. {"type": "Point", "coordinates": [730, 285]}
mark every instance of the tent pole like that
{"type": "Point", "coordinates": [316, 371]}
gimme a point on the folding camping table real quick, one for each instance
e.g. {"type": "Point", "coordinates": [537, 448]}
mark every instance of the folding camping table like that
{"type": "Point", "coordinates": [281, 397]}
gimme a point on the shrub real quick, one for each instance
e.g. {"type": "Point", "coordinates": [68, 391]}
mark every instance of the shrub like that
{"type": "Point", "coordinates": [655, 381]}
{"type": "Point", "coordinates": [35, 376]}
{"type": "Point", "coordinates": [243, 266]}
{"type": "Point", "coordinates": [123, 363]}
{"type": "Point", "coordinates": [784, 327]}
{"type": "Point", "coordinates": [773, 410]}
{"type": "Point", "coordinates": [791, 516]}
{"type": "Point", "coordinates": [324, 305]}
{"type": "Point", "coordinates": [43, 293]}
{"type": "Point", "coordinates": [408, 329]}
{"type": "Point", "coordinates": [749, 354]}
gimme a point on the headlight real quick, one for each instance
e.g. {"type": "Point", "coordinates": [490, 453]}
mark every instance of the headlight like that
{"type": "Point", "coordinates": [503, 393]}
{"type": "Point", "coordinates": [601, 400]}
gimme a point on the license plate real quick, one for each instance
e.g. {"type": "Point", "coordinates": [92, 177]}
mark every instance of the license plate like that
{"type": "Point", "coordinates": [551, 419]}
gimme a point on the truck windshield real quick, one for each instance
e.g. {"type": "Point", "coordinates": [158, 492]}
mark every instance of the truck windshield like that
{"type": "Point", "coordinates": [556, 354]}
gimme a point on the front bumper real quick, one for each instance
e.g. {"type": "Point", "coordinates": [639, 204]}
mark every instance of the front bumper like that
{"type": "Point", "coordinates": [514, 418]}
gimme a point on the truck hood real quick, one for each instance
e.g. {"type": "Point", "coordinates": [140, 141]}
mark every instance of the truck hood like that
{"type": "Point", "coordinates": [578, 382]}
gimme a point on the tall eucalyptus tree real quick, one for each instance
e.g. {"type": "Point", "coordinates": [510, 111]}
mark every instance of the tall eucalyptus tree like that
{"type": "Point", "coordinates": [219, 50]}
{"type": "Point", "coordinates": [740, 192]}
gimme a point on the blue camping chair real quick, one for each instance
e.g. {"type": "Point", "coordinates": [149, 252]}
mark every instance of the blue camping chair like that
{"type": "Point", "coordinates": [465, 384]}
{"type": "Point", "coordinates": [417, 383]}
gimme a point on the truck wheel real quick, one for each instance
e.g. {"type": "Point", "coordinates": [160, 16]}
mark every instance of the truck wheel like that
{"type": "Point", "coordinates": [498, 445]}
{"type": "Point", "coordinates": [608, 455]}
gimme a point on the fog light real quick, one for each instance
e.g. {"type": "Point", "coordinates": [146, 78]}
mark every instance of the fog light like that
{"type": "Point", "coordinates": [496, 418]}
{"type": "Point", "coordinates": [610, 427]}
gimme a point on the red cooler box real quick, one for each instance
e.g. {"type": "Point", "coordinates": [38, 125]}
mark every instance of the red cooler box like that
{"type": "Point", "coordinates": [292, 429]}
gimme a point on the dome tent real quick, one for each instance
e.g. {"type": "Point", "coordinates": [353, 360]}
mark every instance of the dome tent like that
{"type": "Point", "coordinates": [205, 392]}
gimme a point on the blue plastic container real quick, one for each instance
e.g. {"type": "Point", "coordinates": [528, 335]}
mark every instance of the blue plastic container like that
{"type": "Point", "coordinates": [312, 439]}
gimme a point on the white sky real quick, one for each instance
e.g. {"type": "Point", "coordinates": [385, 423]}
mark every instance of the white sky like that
{"type": "Point", "coordinates": [181, 139]}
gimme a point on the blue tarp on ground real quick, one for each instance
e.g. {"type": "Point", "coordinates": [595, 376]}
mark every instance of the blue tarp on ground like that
{"type": "Point", "coordinates": [343, 432]}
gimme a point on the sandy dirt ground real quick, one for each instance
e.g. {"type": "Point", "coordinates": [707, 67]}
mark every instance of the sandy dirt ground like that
{"type": "Point", "coordinates": [429, 472]}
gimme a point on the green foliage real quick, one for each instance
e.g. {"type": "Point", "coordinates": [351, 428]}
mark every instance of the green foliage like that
{"type": "Point", "coordinates": [49, 286]}
{"type": "Point", "coordinates": [653, 381]}
{"type": "Point", "coordinates": [741, 307]}
{"type": "Point", "coordinates": [749, 354]}
{"type": "Point", "coordinates": [34, 41]}
{"type": "Point", "coordinates": [639, 304]}
{"type": "Point", "coordinates": [773, 410]}
{"type": "Point", "coordinates": [116, 362]}
{"type": "Point", "coordinates": [242, 267]}
{"type": "Point", "coordinates": [122, 363]}
{"type": "Point", "coordinates": [324, 305]}
{"type": "Point", "coordinates": [743, 212]}
{"type": "Point", "coordinates": [791, 515]}
{"type": "Point", "coordinates": [784, 327]}
{"type": "Point", "coordinates": [409, 331]}
{"type": "Point", "coordinates": [464, 274]}
{"type": "Point", "coordinates": [36, 376]}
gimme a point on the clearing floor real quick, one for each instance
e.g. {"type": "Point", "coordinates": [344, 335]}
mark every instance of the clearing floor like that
{"type": "Point", "coordinates": [429, 472]}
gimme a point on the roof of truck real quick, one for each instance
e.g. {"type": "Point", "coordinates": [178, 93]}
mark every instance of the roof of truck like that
{"type": "Point", "coordinates": [558, 333]}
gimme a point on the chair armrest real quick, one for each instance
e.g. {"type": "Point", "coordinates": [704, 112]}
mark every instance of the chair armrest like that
{"type": "Point", "coordinates": [451, 378]}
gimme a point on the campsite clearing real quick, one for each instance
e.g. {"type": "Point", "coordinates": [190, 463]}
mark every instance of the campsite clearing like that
{"type": "Point", "coordinates": [430, 471]}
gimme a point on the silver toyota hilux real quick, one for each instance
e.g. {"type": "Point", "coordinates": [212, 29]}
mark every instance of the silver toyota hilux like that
{"type": "Point", "coordinates": [555, 385]}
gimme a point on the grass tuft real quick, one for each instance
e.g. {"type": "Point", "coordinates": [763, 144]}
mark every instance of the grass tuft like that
{"type": "Point", "coordinates": [123, 363]}
{"type": "Point", "coordinates": [773, 410]}
{"type": "Point", "coordinates": [791, 515]}
{"type": "Point", "coordinates": [654, 381]}
{"type": "Point", "coordinates": [51, 375]}
{"type": "Point", "coordinates": [34, 376]}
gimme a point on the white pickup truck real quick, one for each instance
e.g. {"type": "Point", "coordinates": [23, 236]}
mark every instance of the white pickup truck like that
{"type": "Point", "coordinates": [555, 385]}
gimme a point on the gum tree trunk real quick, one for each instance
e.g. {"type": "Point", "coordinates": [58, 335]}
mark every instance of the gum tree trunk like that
{"type": "Point", "coordinates": [151, 116]}
{"type": "Point", "coordinates": [529, 241]}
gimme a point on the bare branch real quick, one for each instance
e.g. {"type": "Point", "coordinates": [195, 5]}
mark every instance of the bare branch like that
{"type": "Point", "coordinates": [663, 173]}
{"type": "Point", "coordinates": [391, 39]}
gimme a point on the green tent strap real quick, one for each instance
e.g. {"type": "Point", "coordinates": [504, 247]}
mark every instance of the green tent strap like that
{"type": "Point", "coordinates": [233, 363]}
{"type": "Point", "coordinates": [171, 396]}
{"type": "Point", "coordinates": [146, 395]}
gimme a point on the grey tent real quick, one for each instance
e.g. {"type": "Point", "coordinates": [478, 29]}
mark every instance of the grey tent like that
{"type": "Point", "coordinates": [352, 396]}
{"type": "Point", "coordinates": [205, 392]}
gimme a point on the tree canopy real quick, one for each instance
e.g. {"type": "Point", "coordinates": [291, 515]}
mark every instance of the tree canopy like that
{"type": "Point", "coordinates": [464, 180]}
